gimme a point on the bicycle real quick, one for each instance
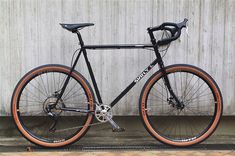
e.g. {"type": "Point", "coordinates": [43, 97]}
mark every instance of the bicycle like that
{"type": "Point", "coordinates": [172, 100]}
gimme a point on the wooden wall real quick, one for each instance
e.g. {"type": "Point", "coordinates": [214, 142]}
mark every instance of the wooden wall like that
{"type": "Point", "coordinates": [30, 35]}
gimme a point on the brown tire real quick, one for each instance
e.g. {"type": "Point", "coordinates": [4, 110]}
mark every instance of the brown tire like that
{"type": "Point", "coordinates": [199, 117]}
{"type": "Point", "coordinates": [34, 130]}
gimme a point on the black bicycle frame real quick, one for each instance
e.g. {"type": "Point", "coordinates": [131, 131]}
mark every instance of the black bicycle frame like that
{"type": "Point", "coordinates": [136, 80]}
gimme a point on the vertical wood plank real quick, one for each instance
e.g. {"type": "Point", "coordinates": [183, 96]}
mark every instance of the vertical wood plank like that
{"type": "Point", "coordinates": [31, 36]}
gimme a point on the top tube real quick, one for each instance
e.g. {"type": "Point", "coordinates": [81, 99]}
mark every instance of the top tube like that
{"type": "Point", "coordinates": [118, 46]}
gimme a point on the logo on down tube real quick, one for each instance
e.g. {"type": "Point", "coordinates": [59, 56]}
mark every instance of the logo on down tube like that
{"type": "Point", "coordinates": [142, 74]}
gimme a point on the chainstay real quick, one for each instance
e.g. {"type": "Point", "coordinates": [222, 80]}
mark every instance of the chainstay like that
{"type": "Point", "coordinates": [76, 127]}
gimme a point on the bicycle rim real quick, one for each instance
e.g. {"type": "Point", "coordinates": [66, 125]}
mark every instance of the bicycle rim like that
{"type": "Point", "coordinates": [202, 106]}
{"type": "Point", "coordinates": [36, 91]}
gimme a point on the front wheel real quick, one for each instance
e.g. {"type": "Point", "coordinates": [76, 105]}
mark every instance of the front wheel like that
{"type": "Point", "coordinates": [199, 115]}
{"type": "Point", "coordinates": [38, 118]}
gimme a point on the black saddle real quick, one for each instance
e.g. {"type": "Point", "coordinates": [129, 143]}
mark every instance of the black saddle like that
{"type": "Point", "coordinates": [73, 27]}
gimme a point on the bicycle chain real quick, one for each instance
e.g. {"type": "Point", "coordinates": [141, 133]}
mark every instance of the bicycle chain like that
{"type": "Point", "coordinates": [93, 124]}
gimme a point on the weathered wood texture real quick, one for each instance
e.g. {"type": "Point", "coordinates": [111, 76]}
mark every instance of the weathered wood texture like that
{"type": "Point", "coordinates": [30, 36]}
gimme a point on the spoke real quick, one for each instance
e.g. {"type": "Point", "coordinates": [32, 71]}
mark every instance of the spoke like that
{"type": "Point", "coordinates": [32, 98]}
{"type": "Point", "coordinates": [31, 105]}
{"type": "Point", "coordinates": [37, 98]}
{"type": "Point", "coordinates": [74, 95]}
{"type": "Point", "coordinates": [191, 88]}
{"type": "Point", "coordinates": [30, 101]}
{"type": "Point", "coordinates": [37, 89]}
{"type": "Point", "coordinates": [196, 91]}
{"type": "Point", "coordinates": [197, 113]}
{"type": "Point", "coordinates": [48, 85]}
{"type": "Point", "coordinates": [34, 102]}
{"type": "Point", "coordinates": [173, 130]}
{"type": "Point", "coordinates": [31, 113]}
{"type": "Point", "coordinates": [158, 97]}
{"type": "Point", "coordinates": [169, 112]}
{"type": "Point", "coordinates": [199, 95]}
{"type": "Point", "coordinates": [187, 85]}
{"type": "Point", "coordinates": [193, 126]}
{"type": "Point", "coordinates": [164, 130]}
{"type": "Point", "coordinates": [58, 83]}
{"type": "Point", "coordinates": [198, 101]}
{"type": "Point", "coordinates": [44, 85]}
{"type": "Point", "coordinates": [190, 125]}
{"type": "Point", "coordinates": [188, 101]}
{"type": "Point", "coordinates": [160, 100]}
{"type": "Point", "coordinates": [71, 90]}
{"type": "Point", "coordinates": [54, 81]}
{"type": "Point", "coordinates": [159, 92]}
{"type": "Point", "coordinates": [180, 135]}
{"type": "Point", "coordinates": [161, 85]}
{"type": "Point", "coordinates": [175, 122]}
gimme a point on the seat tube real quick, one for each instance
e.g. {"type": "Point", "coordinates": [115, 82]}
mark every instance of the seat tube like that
{"type": "Point", "coordinates": [92, 77]}
{"type": "Point", "coordinates": [89, 68]}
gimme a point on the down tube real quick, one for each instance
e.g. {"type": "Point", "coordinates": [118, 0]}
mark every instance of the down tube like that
{"type": "Point", "coordinates": [134, 82]}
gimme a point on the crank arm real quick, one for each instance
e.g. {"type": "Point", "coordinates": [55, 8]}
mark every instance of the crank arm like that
{"type": "Point", "coordinates": [115, 126]}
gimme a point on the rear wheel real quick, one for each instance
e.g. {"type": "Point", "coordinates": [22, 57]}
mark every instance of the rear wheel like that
{"type": "Point", "coordinates": [34, 115]}
{"type": "Point", "coordinates": [187, 125]}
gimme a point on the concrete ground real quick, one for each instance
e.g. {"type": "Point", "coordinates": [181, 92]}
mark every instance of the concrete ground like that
{"type": "Point", "coordinates": [126, 153]}
{"type": "Point", "coordinates": [100, 140]}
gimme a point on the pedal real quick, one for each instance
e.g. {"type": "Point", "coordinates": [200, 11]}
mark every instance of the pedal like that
{"type": "Point", "coordinates": [118, 129]}
{"type": "Point", "coordinates": [29, 149]}
{"type": "Point", "coordinates": [115, 126]}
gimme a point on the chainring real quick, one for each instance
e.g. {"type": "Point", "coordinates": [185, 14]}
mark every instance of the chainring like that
{"type": "Point", "coordinates": [103, 113]}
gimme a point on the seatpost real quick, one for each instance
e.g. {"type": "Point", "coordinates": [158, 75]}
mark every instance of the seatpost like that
{"type": "Point", "coordinates": [80, 38]}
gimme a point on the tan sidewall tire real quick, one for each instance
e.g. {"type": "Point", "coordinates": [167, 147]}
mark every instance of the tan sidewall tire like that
{"type": "Point", "coordinates": [18, 89]}
{"type": "Point", "coordinates": [170, 69]}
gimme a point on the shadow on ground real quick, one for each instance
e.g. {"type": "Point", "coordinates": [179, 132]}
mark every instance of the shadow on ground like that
{"type": "Point", "coordinates": [101, 138]}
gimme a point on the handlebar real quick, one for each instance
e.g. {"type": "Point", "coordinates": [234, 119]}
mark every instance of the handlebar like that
{"type": "Point", "coordinates": [174, 28]}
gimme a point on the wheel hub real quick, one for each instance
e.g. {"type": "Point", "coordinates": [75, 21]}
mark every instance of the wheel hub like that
{"type": "Point", "coordinates": [50, 107]}
{"type": "Point", "coordinates": [174, 104]}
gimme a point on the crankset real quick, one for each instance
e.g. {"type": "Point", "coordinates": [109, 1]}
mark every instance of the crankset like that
{"type": "Point", "coordinates": [103, 113]}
